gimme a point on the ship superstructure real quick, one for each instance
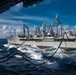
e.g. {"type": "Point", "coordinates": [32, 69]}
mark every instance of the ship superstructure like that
{"type": "Point", "coordinates": [44, 38]}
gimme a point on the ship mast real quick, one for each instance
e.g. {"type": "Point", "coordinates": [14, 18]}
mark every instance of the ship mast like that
{"type": "Point", "coordinates": [51, 30]}
{"type": "Point", "coordinates": [44, 29]}
{"type": "Point", "coordinates": [59, 27]}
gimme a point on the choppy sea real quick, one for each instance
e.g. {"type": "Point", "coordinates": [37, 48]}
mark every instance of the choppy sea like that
{"type": "Point", "coordinates": [31, 60]}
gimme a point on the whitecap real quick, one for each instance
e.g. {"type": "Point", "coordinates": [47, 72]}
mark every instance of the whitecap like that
{"type": "Point", "coordinates": [0, 49]}
{"type": "Point", "coordinates": [52, 65]}
{"type": "Point", "coordinates": [6, 45]}
{"type": "Point", "coordinates": [9, 45]}
{"type": "Point", "coordinates": [12, 46]}
{"type": "Point", "coordinates": [61, 54]}
{"type": "Point", "coordinates": [36, 56]}
{"type": "Point", "coordinates": [34, 46]}
{"type": "Point", "coordinates": [18, 56]}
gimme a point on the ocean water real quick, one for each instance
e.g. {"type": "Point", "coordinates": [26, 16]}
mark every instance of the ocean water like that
{"type": "Point", "coordinates": [31, 60]}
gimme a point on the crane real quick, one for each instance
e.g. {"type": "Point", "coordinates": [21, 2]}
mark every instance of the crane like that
{"type": "Point", "coordinates": [59, 27]}
{"type": "Point", "coordinates": [24, 26]}
{"type": "Point", "coordinates": [37, 30]}
{"type": "Point", "coordinates": [58, 20]}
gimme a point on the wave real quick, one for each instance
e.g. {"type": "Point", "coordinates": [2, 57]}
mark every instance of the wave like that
{"type": "Point", "coordinates": [10, 45]}
{"type": "Point", "coordinates": [0, 49]}
{"type": "Point", "coordinates": [61, 58]}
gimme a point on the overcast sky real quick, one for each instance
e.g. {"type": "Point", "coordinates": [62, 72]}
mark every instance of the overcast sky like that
{"type": "Point", "coordinates": [35, 15]}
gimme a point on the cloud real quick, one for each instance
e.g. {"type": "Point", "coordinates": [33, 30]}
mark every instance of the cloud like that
{"type": "Point", "coordinates": [35, 18]}
{"type": "Point", "coordinates": [19, 30]}
{"type": "Point", "coordinates": [7, 21]}
{"type": "Point", "coordinates": [68, 28]}
{"type": "Point", "coordinates": [75, 26]}
{"type": "Point", "coordinates": [9, 30]}
{"type": "Point", "coordinates": [5, 28]}
{"type": "Point", "coordinates": [12, 22]}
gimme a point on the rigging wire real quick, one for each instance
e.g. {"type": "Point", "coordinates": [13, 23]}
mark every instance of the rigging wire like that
{"type": "Point", "coordinates": [31, 58]}
{"type": "Point", "coordinates": [20, 53]}
{"type": "Point", "coordinates": [17, 52]}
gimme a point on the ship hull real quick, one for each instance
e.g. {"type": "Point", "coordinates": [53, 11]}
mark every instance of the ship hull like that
{"type": "Point", "coordinates": [42, 43]}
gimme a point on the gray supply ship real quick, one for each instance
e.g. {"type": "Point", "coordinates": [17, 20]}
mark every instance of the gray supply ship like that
{"type": "Point", "coordinates": [45, 39]}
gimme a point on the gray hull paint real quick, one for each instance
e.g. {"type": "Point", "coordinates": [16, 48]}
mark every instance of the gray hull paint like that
{"type": "Point", "coordinates": [44, 43]}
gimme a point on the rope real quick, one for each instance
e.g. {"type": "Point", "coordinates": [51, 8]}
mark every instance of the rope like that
{"type": "Point", "coordinates": [7, 55]}
{"type": "Point", "coordinates": [19, 52]}
{"type": "Point", "coordinates": [27, 58]}
{"type": "Point", "coordinates": [67, 37]}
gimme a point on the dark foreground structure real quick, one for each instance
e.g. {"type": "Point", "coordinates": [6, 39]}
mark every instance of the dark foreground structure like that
{"type": "Point", "coordinates": [7, 4]}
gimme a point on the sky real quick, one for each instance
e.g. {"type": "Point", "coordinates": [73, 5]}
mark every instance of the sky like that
{"type": "Point", "coordinates": [36, 15]}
